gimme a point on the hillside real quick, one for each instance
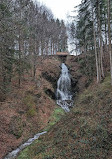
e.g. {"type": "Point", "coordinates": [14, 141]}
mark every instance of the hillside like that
{"type": "Point", "coordinates": [32, 108]}
{"type": "Point", "coordinates": [27, 109]}
{"type": "Point", "coordinates": [84, 133]}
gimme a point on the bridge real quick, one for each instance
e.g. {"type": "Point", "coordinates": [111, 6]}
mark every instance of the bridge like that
{"type": "Point", "coordinates": [62, 53]}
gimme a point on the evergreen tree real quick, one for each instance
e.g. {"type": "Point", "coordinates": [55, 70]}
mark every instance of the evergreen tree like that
{"type": "Point", "coordinates": [6, 44]}
{"type": "Point", "coordinates": [91, 31]}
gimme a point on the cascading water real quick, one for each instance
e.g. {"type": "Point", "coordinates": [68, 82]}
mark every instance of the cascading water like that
{"type": "Point", "coordinates": [64, 96]}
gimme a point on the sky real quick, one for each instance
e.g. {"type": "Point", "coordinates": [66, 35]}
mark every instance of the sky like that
{"type": "Point", "coordinates": [61, 8]}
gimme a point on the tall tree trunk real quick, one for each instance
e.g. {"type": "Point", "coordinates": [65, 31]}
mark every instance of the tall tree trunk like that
{"type": "Point", "coordinates": [105, 33]}
{"type": "Point", "coordinates": [101, 54]}
{"type": "Point", "coordinates": [109, 39]}
{"type": "Point", "coordinates": [95, 47]}
{"type": "Point", "coordinates": [51, 49]}
{"type": "Point", "coordinates": [19, 82]}
{"type": "Point", "coordinates": [35, 58]}
{"type": "Point", "coordinates": [100, 38]}
{"type": "Point", "coordinates": [96, 55]}
{"type": "Point", "coordinates": [100, 43]}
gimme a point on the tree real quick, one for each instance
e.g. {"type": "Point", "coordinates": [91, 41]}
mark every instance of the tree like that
{"type": "Point", "coordinates": [91, 32]}
{"type": "Point", "coordinates": [6, 44]}
{"type": "Point", "coordinates": [27, 30]}
{"type": "Point", "coordinates": [109, 39]}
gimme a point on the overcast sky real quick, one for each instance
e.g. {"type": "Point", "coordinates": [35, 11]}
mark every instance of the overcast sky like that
{"type": "Point", "coordinates": [61, 8]}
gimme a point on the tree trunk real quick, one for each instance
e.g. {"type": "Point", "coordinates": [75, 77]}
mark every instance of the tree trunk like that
{"type": "Point", "coordinates": [105, 34]}
{"type": "Point", "coordinates": [96, 55]}
{"type": "Point", "coordinates": [100, 55]}
{"type": "Point", "coordinates": [109, 39]}
{"type": "Point", "coordinates": [95, 48]}
{"type": "Point", "coordinates": [19, 81]}
{"type": "Point", "coordinates": [100, 41]}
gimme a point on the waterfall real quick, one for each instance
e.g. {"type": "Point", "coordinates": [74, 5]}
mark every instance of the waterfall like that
{"type": "Point", "coordinates": [64, 96]}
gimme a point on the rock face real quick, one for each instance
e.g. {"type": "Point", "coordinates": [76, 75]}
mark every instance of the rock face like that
{"type": "Point", "coordinates": [52, 72]}
{"type": "Point", "coordinates": [79, 79]}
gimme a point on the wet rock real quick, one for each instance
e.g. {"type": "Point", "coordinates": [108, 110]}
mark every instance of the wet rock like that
{"type": "Point", "coordinates": [50, 93]}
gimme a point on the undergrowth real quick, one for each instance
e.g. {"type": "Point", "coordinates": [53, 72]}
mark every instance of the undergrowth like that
{"type": "Point", "coordinates": [84, 133]}
{"type": "Point", "coordinates": [29, 101]}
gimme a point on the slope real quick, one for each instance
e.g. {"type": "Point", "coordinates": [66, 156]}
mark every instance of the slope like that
{"type": "Point", "coordinates": [27, 109]}
{"type": "Point", "coordinates": [85, 133]}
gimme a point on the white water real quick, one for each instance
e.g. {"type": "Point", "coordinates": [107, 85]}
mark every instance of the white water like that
{"type": "Point", "coordinates": [14, 153]}
{"type": "Point", "coordinates": [64, 96]}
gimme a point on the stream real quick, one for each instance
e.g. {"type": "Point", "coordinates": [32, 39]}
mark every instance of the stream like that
{"type": "Point", "coordinates": [14, 153]}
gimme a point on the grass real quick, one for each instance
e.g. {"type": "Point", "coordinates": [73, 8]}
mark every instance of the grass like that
{"type": "Point", "coordinates": [55, 117]}
{"type": "Point", "coordinates": [84, 133]}
{"type": "Point", "coordinates": [24, 154]}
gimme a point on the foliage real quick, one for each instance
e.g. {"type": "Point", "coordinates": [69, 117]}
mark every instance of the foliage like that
{"type": "Point", "coordinates": [29, 101]}
{"type": "Point", "coordinates": [87, 67]}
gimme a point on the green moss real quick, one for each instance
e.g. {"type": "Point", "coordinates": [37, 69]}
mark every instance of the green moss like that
{"type": "Point", "coordinates": [55, 117]}
{"type": "Point", "coordinates": [24, 154]}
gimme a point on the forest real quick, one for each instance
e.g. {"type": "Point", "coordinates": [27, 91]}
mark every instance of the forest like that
{"type": "Point", "coordinates": [91, 33]}
{"type": "Point", "coordinates": [27, 30]}
{"type": "Point", "coordinates": [55, 81]}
